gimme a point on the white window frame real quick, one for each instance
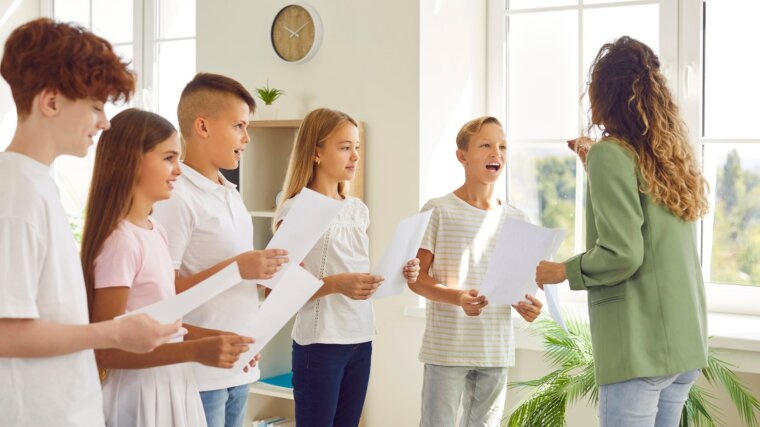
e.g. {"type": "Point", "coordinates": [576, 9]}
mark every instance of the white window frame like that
{"type": "Point", "coordinates": [680, 55]}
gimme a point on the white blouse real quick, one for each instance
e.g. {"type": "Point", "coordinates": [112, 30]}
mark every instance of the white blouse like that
{"type": "Point", "coordinates": [344, 248]}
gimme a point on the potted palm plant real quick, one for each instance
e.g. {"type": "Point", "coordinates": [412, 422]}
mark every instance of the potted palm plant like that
{"type": "Point", "coordinates": [268, 111]}
{"type": "Point", "coordinates": [573, 380]}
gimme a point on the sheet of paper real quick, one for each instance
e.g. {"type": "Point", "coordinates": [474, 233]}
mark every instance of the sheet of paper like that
{"type": "Point", "coordinates": [172, 309]}
{"type": "Point", "coordinates": [403, 247]}
{"type": "Point", "coordinates": [552, 300]}
{"type": "Point", "coordinates": [294, 290]}
{"type": "Point", "coordinates": [511, 271]}
{"type": "Point", "coordinates": [306, 221]}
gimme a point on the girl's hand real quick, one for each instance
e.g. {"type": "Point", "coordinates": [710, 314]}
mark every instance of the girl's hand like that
{"type": "Point", "coordinates": [530, 309]}
{"type": "Point", "coordinates": [252, 363]}
{"type": "Point", "coordinates": [357, 286]}
{"type": "Point", "coordinates": [549, 273]}
{"type": "Point", "coordinates": [412, 270]}
{"type": "Point", "coordinates": [261, 264]}
{"type": "Point", "coordinates": [581, 146]}
{"type": "Point", "coordinates": [471, 302]}
{"type": "Point", "coordinates": [220, 351]}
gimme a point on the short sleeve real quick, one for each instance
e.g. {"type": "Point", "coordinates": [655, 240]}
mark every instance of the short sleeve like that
{"type": "Point", "coordinates": [178, 221]}
{"type": "Point", "coordinates": [431, 233]}
{"type": "Point", "coordinates": [22, 252]}
{"type": "Point", "coordinates": [118, 262]}
{"type": "Point", "coordinates": [282, 212]}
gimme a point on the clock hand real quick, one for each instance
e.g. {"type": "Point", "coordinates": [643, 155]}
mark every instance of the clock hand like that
{"type": "Point", "coordinates": [292, 33]}
{"type": "Point", "coordinates": [300, 28]}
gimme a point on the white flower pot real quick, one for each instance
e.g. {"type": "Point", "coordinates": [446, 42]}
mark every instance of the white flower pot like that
{"type": "Point", "coordinates": [266, 112]}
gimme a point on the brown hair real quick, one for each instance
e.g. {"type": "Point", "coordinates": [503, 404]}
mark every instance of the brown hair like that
{"type": "Point", "coordinates": [205, 94]}
{"type": "Point", "coordinates": [630, 100]}
{"type": "Point", "coordinates": [117, 161]}
{"type": "Point", "coordinates": [44, 54]}
{"type": "Point", "coordinates": [471, 128]}
{"type": "Point", "coordinates": [316, 127]}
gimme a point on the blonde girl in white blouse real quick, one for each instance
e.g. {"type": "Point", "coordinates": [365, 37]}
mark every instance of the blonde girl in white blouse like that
{"type": "Point", "coordinates": [333, 332]}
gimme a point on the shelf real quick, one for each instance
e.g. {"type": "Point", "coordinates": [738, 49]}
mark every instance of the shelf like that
{"type": "Point", "coordinates": [265, 214]}
{"type": "Point", "coordinates": [263, 389]}
{"type": "Point", "coordinates": [286, 124]}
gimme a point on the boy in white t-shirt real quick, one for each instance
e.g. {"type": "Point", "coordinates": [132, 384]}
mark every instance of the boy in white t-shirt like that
{"type": "Point", "coordinates": [208, 227]}
{"type": "Point", "coordinates": [467, 347]}
{"type": "Point", "coordinates": [60, 77]}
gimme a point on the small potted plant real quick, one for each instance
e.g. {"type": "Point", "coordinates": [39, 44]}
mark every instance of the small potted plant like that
{"type": "Point", "coordinates": [268, 95]}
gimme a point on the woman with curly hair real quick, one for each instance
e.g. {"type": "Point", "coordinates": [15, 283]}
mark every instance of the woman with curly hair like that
{"type": "Point", "coordinates": [646, 295]}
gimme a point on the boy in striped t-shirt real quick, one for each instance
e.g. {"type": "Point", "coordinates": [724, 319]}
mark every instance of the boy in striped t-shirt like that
{"type": "Point", "coordinates": [467, 348]}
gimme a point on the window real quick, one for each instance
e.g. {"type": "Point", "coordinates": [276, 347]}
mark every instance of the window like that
{"type": "Point", "coordinates": [158, 39]}
{"type": "Point", "coordinates": [539, 55]}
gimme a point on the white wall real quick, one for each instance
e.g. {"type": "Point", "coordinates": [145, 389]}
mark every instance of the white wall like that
{"type": "Point", "coordinates": [12, 14]}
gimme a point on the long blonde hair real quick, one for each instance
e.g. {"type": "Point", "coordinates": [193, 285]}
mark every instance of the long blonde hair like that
{"type": "Point", "coordinates": [631, 101]}
{"type": "Point", "coordinates": [316, 127]}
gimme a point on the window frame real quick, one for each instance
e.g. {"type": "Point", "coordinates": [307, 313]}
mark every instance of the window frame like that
{"type": "Point", "coordinates": [680, 52]}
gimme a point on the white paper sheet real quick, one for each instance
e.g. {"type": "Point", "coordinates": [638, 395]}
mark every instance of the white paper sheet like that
{"type": "Point", "coordinates": [293, 291]}
{"type": "Point", "coordinates": [403, 247]}
{"type": "Point", "coordinates": [552, 300]}
{"type": "Point", "coordinates": [511, 271]}
{"type": "Point", "coordinates": [172, 309]}
{"type": "Point", "coordinates": [306, 221]}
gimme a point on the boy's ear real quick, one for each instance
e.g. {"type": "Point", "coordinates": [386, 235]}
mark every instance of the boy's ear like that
{"type": "Point", "coordinates": [49, 102]}
{"type": "Point", "coordinates": [461, 156]}
{"type": "Point", "coordinates": [200, 126]}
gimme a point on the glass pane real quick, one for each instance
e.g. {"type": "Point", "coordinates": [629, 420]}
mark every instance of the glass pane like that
{"type": "Point", "coordinates": [72, 175]}
{"type": "Point", "coordinates": [77, 11]}
{"type": "Point", "coordinates": [176, 18]}
{"type": "Point", "coordinates": [604, 25]}
{"type": "Point", "coordinates": [176, 67]}
{"type": "Point", "coordinates": [606, 1]}
{"type": "Point", "coordinates": [531, 4]}
{"type": "Point", "coordinates": [125, 52]}
{"type": "Point", "coordinates": [542, 67]}
{"type": "Point", "coordinates": [731, 64]}
{"type": "Point", "coordinates": [542, 183]}
{"type": "Point", "coordinates": [733, 227]}
{"type": "Point", "coordinates": [112, 20]}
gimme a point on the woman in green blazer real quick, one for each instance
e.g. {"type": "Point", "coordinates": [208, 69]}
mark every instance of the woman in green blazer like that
{"type": "Point", "coordinates": [641, 270]}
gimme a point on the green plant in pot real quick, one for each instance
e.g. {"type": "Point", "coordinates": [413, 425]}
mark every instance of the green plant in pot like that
{"type": "Point", "coordinates": [268, 94]}
{"type": "Point", "coordinates": [574, 380]}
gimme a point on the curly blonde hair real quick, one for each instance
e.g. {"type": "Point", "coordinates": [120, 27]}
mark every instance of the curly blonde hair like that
{"type": "Point", "coordinates": [631, 102]}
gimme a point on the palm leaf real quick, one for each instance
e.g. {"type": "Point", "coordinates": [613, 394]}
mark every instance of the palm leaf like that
{"type": "Point", "coordinates": [571, 353]}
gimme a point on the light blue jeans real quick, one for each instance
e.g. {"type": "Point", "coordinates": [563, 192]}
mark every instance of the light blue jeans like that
{"type": "Point", "coordinates": [645, 402]}
{"type": "Point", "coordinates": [225, 407]}
{"type": "Point", "coordinates": [482, 392]}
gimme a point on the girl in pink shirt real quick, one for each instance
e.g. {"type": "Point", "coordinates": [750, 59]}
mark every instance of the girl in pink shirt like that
{"type": "Point", "coordinates": [127, 266]}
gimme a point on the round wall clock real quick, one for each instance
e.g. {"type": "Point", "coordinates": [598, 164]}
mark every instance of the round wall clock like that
{"type": "Point", "coordinates": [296, 33]}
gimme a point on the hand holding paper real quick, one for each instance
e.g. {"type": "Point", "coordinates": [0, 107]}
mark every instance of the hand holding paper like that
{"type": "Point", "coordinates": [402, 248]}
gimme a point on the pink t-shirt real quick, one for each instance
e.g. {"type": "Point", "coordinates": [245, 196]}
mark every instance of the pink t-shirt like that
{"type": "Point", "coordinates": [137, 258]}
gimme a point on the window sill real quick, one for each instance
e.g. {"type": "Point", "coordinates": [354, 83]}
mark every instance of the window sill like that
{"type": "Point", "coordinates": [735, 337]}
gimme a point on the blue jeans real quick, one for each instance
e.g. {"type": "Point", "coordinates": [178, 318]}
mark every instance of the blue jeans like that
{"type": "Point", "coordinates": [330, 383]}
{"type": "Point", "coordinates": [225, 407]}
{"type": "Point", "coordinates": [645, 402]}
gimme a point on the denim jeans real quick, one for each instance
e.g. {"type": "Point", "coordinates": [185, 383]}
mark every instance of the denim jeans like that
{"type": "Point", "coordinates": [225, 407]}
{"type": "Point", "coordinates": [330, 383]}
{"type": "Point", "coordinates": [645, 402]}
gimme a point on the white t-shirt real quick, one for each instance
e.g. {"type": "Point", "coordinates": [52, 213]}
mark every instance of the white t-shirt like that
{"type": "Point", "coordinates": [344, 248]}
{"type": "Point", "coordinates": [207, 223]}
{"type": "Point", "coordinates": [462, 238]}
{"type": "Point", "coordinates": [41, 278]}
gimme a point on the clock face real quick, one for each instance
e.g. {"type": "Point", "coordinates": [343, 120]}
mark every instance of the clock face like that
{"type": "Point", "coordinates": [295, 33]}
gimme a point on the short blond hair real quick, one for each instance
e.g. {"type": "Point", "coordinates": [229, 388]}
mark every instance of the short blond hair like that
{"type": "Point", "coordinates": [471, 128]}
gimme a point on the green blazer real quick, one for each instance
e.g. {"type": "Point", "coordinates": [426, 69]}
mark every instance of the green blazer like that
{"type": "Point", "coordinates": [646, 297]}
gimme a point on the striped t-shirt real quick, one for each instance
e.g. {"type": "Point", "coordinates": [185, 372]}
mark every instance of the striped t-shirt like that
{"type": "Point", "coordinates": [462, 238]}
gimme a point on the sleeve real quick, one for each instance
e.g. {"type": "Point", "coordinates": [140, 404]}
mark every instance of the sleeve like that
{"type": "Point", "coordinates": [282, 212]}
{"type": "Point", "coordinates": [431, 233]}
{"type": "Point", "coordinates": [118, 262]}
{"type": "Point", "coordinates": [618, 217]}
{"type": "Point", "coordinates": [22, 253]}
{"type": "Point", "coordinates": [178, 221]}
